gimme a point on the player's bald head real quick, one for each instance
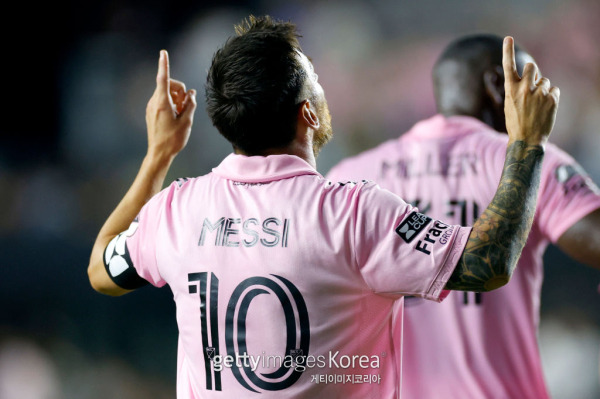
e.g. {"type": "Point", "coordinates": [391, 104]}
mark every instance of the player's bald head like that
{"type": "Point", "coordinates": [459, 72]}
{"type": "Point", "coordinates": [472, 51]}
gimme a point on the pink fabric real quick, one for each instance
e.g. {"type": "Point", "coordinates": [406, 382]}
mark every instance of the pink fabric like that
{"type": "Point", "coordinates": [266, 254]}
{"type": "Point", "coordinates": [473, 346]}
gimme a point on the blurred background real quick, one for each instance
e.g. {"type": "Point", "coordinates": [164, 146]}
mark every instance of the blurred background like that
{"type": "Point", "coordinates": [76, 78]}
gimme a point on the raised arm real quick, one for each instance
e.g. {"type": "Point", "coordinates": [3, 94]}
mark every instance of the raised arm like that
{"type": "Point", "coordinates": [500, 233]}
{"type": "Point", "coordinates": [169, 117]}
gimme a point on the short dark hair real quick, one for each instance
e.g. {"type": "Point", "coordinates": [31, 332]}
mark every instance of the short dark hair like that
{"type": "Point", "coordinates": [472, 50]}
{"type": "Point", "coordinates": [254, 84]}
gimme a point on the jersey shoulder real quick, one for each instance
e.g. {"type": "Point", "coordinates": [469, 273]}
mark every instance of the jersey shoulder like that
{"type": "Point", "coordinates": [178, 189]}
{"type": "Point", "coordinates": [363, 166]}
{"type": "Point", "coordinates": [182, 184]}
{"type": "Point", "coordinates": [487, 139]}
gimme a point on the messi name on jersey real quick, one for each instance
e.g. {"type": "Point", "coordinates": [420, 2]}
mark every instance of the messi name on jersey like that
{"type": "Point", "coordinates": [236, 232]}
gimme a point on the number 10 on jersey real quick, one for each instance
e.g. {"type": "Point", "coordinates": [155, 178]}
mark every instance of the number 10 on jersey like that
{"type": "Point", "coordinates": [297, 329]}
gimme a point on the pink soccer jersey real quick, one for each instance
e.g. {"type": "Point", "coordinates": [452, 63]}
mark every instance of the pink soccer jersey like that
{"type": "Point", "coordinates": [473, 345]}
{"type": "Point", "coordinates": [283, 281]}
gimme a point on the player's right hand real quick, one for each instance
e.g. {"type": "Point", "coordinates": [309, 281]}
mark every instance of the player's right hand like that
{"type": "Point", "coordinates": [530, 103]}
{"type": "Point", "coordinates": [169, 114]}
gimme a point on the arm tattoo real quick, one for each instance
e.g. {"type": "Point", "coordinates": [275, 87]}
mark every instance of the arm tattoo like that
{"type": "Point", "coordinates": [500, 233]}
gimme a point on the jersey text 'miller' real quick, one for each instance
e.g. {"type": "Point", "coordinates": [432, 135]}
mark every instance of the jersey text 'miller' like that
{"type": "Point", "coordinates": [456, 165]}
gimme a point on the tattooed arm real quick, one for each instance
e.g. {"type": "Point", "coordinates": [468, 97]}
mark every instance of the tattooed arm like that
{"type": "Point", "coordinates": [499, 235]}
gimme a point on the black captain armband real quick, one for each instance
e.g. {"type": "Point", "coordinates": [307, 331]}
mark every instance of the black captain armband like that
{"type": "Point", "coordinates": [118, 263]}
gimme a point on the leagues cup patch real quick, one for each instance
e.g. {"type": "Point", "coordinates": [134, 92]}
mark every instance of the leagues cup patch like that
{"type": "Point", "coordinates": [412, 226]}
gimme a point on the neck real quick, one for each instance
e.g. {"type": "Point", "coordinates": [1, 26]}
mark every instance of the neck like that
{"type": "Point", "coordinates": [294, 148]}
{"type": "Point", "coordinates": [486, 115]}
{"type": "Point", "coordinates": [492, 119]}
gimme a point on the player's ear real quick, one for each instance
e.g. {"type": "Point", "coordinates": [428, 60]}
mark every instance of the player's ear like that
{"type": "Point", "coordinates": [307, 115]}
{"type": "Point", "coordinates": [493, 82]}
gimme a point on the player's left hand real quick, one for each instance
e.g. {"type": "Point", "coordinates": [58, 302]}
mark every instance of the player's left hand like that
{"type": "Point", "coordinates": [170, 113]}
{"type": "Point", "coordinates": [530, 102]}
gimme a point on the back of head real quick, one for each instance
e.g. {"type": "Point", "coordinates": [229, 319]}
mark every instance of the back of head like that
{"type": "Point", "coordinates": [473, 51]}
{"type": "Point", "coordinates": [254, 85]}
{"type": "Point", "coordinates": [459, 72]}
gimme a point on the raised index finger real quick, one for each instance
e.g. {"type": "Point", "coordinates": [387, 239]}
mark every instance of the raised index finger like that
{"type": "Point", "coordinates": [162, 77]}
{"type": "Point", "coordinates": [508, 60]}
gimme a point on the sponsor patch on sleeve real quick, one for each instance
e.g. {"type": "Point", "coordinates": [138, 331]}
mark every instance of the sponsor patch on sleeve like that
{"type": "Point", "coordinates": [412, 226]}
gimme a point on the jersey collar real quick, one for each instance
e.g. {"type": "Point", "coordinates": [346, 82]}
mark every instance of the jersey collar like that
{"type": "Point", "coordinates": [441, 126]}
{"type": "Point", "coordinates": [257, 169]}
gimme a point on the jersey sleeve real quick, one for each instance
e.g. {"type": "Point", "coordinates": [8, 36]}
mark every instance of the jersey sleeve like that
{"type": "Point", "coordinates": [401, 251]}
{"type": "Point", "coordinates": [130, 258]}
{"type": "Point", "coordinates": [567, 194]}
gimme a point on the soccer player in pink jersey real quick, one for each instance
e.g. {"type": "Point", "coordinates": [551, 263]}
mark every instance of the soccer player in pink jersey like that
{"type": "Point", "coordinates": [478, 345]}
{"type": "Point", "coordinates": [284, 282]}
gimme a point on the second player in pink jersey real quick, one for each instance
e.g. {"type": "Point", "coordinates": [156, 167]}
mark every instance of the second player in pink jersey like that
{"type": "Point", "coordinates": [474, 345]}
{"type": "Point", "coordinates": [283, 281]}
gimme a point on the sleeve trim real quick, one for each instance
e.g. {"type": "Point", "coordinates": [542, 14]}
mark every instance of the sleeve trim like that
{"type": "Point", "coordinates": [436, 291]}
